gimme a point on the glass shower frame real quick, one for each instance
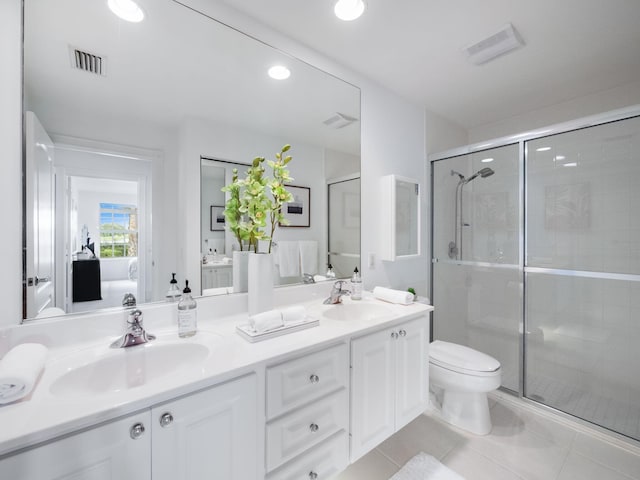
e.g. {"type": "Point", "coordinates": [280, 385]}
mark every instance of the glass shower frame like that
{"type": "Point", "coordinates": [522, 141]}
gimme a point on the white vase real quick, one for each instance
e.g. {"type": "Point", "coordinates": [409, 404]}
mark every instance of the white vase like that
{"type": "Point", "coordinates": [241, 271]}
{"type": "Point", "coordinates": [260, 283]}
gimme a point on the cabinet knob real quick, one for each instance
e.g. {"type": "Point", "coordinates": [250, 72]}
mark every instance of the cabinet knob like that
{"type": "Point", "coordinates": [166, 419]}
{"type": "Point", "coordinates": [403, 333]}
{"type": "Point", "coordinates": [314, 378]}
{"type": "Point", "coordinates": [314, 427]}
{"type": "Point", "coordinates": [136, 431]}
{"type": "Point", "coordinates": [313, 475]}
{"type": "Point", "coordinates": [394, 335]}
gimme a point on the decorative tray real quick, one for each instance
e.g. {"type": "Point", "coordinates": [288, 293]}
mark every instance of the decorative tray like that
{"type": "Point", "coordinates": [249, 334]}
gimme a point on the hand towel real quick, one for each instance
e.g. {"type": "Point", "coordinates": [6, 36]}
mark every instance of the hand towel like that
{"type": "Point", "coordinates": [265, 321]}
{"type": "Point", "coordinates": [393, 296]}
{"type": "Point", "coordinates": [288, 259]}
{"type": "Point", "coordinates": [19, 371]}
{"type": "Point", "coordinates": [309, 257]}
{"type": "Point", "coordinates": [293, 314]}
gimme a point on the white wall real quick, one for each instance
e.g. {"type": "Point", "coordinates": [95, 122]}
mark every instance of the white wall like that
{"type": "Point", "coordinates": [604, 101]}
{"type": "Point", "coordinates": [11, 136]}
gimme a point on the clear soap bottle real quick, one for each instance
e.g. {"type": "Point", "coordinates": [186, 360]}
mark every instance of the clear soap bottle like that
{"type": "Point", "coordinates": [174, 292]}
{"type": "Point", "coordinates": [330, 273]}
{"type": "Point", "coordinates": [356, 285]}
{"type": "Point", "coordinates": [187, 313]}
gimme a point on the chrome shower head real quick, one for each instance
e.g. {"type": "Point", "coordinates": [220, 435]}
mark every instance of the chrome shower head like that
{"type": "Point", "coordinates": [484, 173]}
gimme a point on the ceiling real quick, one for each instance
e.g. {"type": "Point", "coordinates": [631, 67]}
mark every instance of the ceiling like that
{"type": "Point", "coordinates": [414, 47]}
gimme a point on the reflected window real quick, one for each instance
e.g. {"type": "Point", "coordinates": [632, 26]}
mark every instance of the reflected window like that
{"type": "Point", "coordinates": [118, 230]}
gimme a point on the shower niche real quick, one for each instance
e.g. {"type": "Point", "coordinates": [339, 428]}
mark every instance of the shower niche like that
{"type": "Point", "coordinates": [400, 217]}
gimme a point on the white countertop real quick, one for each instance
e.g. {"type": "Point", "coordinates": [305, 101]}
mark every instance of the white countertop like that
{"type": "Point", "coordinates": [43, 416]}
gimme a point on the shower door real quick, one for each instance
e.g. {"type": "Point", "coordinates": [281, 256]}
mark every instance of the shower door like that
{"type": "Point", "coordinates": [477, 244]}
{"type": "Point", "coordinates": [583, 274]}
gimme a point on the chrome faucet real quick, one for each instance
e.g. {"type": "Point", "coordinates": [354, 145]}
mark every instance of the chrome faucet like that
{"type": "Point", "coordinates": [337, 293]}
{"type": "Point", "coordinates": [135, 334]}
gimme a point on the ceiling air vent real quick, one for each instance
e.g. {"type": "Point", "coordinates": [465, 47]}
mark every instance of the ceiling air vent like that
{"type": "Point", "coordinates": [501, 42]}
{"type": "Point", "coordinates": [339, 120]}
{"type": "Point", "coordinates": [88, 62]}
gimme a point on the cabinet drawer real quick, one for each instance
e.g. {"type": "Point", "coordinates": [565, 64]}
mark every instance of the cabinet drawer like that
{"type": "Point", "coordinates": [302, 380]}
{"type": "Point", "coordinates": [294, 433]}
{"type": "Point", "coordinates": [325, 460]}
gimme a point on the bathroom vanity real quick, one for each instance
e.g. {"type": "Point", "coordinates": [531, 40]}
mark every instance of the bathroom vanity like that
{"type": "Point", "coordinates": [302, 405]}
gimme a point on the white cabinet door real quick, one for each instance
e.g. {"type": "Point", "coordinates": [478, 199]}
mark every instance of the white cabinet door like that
{"type": "Point", "coordinates": [372, 391]}
{"type": "Point", "coordinates": [102, 453]}
{"type": "Point", "coordinates": [412, 381]}
{"type": "Point", "coordinates": [389, 383]}
{"type": "Point", "coordinates": [212, 434]}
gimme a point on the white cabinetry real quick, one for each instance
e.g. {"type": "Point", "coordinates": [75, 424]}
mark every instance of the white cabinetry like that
{"type": "Point", "coordinates": [216, 276]}
{"type": "Point", "coordinates": [389, 382]}
{"type": "Point", "coordinates": [120, 449]}
{"type": "Point", "coordinates": [209, 434]}
{"type": "Point", "coordinates": [308, 415]}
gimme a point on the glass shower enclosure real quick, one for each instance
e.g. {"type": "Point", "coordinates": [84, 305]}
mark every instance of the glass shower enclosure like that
{"type": "Point", "coordinates": [537, 263]}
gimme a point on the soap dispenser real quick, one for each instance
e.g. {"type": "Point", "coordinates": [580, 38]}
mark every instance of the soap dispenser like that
{"type": "Point", "coordinates": [174, 292]}
{"type": "Point", "coordinates": [356, 285]}
{"type": "Point", "coordinates": [187, 314]}
{"type": "Point", "coordinates": [330, 273]}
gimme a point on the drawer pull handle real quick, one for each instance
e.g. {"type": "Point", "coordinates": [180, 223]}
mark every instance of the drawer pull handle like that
{"type": "Point", "coordinates": [313, 475]}
{"type": "Point", "coordinates": [314, 378]}
{"type": "Point", "coordinates": [394, 335]}
{"type": "Point", "coordinates": [166, 420]}
{"type": "Point", "coordinates": [136, 431]}
{"type": "Point", "coordinates": [403, 333]}
{"type": "Point", "coordinates": [314, 427]}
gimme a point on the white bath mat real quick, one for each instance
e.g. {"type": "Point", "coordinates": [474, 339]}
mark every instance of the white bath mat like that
{"type": "Point", "coordinates": [425, 467]}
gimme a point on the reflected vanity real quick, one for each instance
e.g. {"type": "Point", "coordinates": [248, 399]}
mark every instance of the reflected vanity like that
{"type": "Point", "coordinates": [133, 118]}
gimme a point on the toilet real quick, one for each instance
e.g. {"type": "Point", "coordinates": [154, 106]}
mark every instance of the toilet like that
{"type": "Point", "coordinates": [460, 377]}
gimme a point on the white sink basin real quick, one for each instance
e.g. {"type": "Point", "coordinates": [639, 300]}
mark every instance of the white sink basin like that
{"type": "Point", "coordinates": [114, 370]}
{"type": "Point", "coordinates": [356, 311]}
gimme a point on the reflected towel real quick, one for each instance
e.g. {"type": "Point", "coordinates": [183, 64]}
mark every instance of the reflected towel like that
{"type": "Point", "coordinates": [393, 296]}
{"type": "Point", "coordinates": [19, 371]}
{"type": "Point", "coordinates": [288, 259]}
{"type": "Point", "coordinates": [265, 321]}
{"type": "Point", "coordinates": [293, 314]}
{"type": "Point", "coordinates": [309, 257]}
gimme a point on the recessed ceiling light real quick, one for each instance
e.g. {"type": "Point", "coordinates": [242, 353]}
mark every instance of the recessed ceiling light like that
{"type": "Point", "coordinates": [486, 160]}
{"type": "Point", "coordinates": [558, 158]}
{"type": "Point", "coordinates": [127, 10]}
{"type": "Point", "coordinates": [543, 149]}
{"type": "Point", "coordinates": [279, 72]}
{"type": "Point", "coordinates": [348, 10]}
{"type": "Point", "coordinates": [572, 164]}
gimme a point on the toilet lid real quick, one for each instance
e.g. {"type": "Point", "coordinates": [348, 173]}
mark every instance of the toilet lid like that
{"type": "Point", "coordinates": [461, 358]}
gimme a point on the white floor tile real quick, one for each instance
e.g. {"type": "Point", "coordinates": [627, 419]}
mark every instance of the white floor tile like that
{"type": "Point", "coordinates": [373, 466]}
{"type": "Point", "coordinates": [473, 466]}
{"type": "Point", "coordinates": [607, 454]}
{"type": "Point", "coordinates": [424, 434]}
{"type": "Point", "coordinates": [579, 467]}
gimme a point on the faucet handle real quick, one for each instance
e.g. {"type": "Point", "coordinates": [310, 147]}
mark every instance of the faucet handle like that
{"type": "Point", "coordinates": [135, 317]}
{"type": "Point", "coordinates": [129, 300]}
{"type": "Point", "coordinates": [337, 286]}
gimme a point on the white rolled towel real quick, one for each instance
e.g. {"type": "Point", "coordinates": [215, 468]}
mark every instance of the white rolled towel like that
{"type": "Point", "coordinates": [393, 296]}
{"type": "Point", "coordinates": [265, 321]}
{"type": "Point", "coordinates": [294, 314]}
{"type": "Point", "coordinates": [19, 371]}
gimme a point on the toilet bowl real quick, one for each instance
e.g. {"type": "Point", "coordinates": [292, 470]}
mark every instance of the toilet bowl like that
{"type": "Point", "coordinates": [461, 377]}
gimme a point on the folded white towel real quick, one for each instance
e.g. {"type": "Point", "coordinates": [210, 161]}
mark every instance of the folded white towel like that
{"type": "Point", "coordinates": [19, 371]}
{"type": "Point", "coordinates": [265, 321]}
{"type": "Point", "coordinates": [393, 296]}
{"type": "Point", "coordinates": [288, 259]}
{"type": "Point", "coordinates": [309, 257]}
{"type": "Point", "coordinates": [320, 278]}
{"type": "Point", "coordinates": [293, 314]}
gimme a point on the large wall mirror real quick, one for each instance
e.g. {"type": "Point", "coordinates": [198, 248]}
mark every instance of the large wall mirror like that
{"type": "Point", "coordinates": [124, 120]}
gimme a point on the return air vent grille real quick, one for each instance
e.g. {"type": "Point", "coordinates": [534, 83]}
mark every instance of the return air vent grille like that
{"type": "Point", "coordinates": [501, 42]}
{"type": "Point", "coordinates": [339, 120]}
{"type": "Point", "coordinates": [88, 62]}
